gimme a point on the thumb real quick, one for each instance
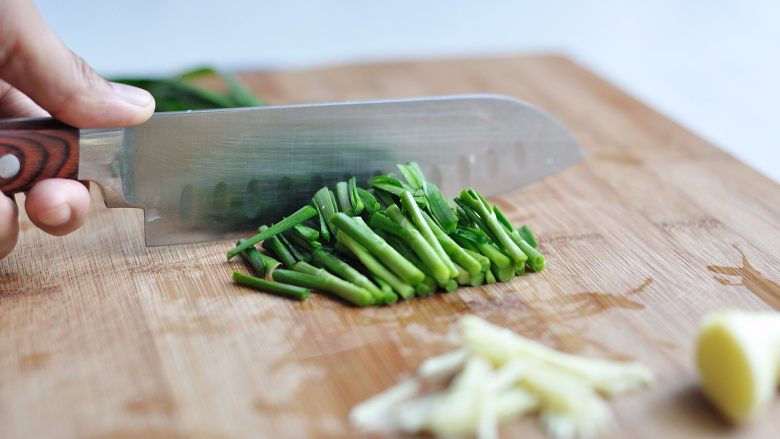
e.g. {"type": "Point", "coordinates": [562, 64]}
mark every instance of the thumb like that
{"type": "Point", "coordinates": [34, 60]}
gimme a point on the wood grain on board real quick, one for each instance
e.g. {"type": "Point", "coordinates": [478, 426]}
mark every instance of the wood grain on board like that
{"type": "Point", "coordinates": [101, 337]}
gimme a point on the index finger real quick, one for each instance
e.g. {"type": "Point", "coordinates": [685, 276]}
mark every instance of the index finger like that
{"type": "Point", "coordinates": [9, 225]}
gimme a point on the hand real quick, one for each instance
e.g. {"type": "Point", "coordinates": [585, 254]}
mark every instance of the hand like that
{"type": "Point", "coordinates": [40, 76]}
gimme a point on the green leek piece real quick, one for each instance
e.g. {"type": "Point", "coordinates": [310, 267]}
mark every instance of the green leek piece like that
{"type": "Point", "coordinates": [383, 198]}
{"type": "Point", "coordinates": [484, 262]}
{"type": "Point", "coordinates": [297, 252]}
{"type": "Point", "coordinates": [369, 202]}
{"type": "Point", "coordinates": [451, 285]}
{"type": "Point", "coordinates": [441, 211]}
{"type": "Point", "coordinates": [377, 246]}
{"type": "Point", "coordinates": [374, 266]}
{"type": "Point", "coordinates": [345, 271]}
{"type": "Point", "coordinates": [423, 288]}
{"type": "Point", "coordinates": [253, 258]}
{"type": "Point", "coordinates": [529, 237]}
{"type": "Point", "coordinates": [354, 197]}
{"type": "Point", "coordinates": [414, 240]}
{"type": "Point", "coordinates": [298, 244]}
{"type": "Point", "coordinates": [307, 232]}
{"type": "Point", "coordinates": [414, 212]}
{"type": "Point", "coordinates": [325, 202]}
{"type": "Point", "coordinates": [413, 174]}
{"type": "Point", "coordinates": [502, 219]}
{"type": "Point", "coordinates": [270, 263]}
{"type": "Point", "coordinates": [476, 281]}
{"type": "Point", "coordinates": [389, 184]}
{"type": "Point", "coordinates": [343, 199]}
{"type": "Point", "coordinates": [426, 288]}
{"type": "Point", "coordinates": [474, 200]}
{"type": "Point", "coordinates": [278, 288]}
{"type": "Point", "coordinates": [456, 252]}
{"type": "Point", "coordinates": [394, 188]}
{"type": "Point", "coordinates": [535, 260]}
{"type": "Point", "coordinates": [500, 264]}
{"type": "Point", "coordinates": [463, 277]}
{"type": "Point", "coordinates": [504, 274]}
{"type": "Point", "coordinates": [390, 296]}
{"type": "Point", "coordinates": [319, 279]}
{"type": "Point", "coordinates": [280, 250]}
{"type": "Point", "coordinates": [489, 277]}
{"type": "Point", "coordinates": [301, 215]}
{"type": "Point", "coordinates": [473, 219]}
{"type": "Point", "coordinates": [435, 203]}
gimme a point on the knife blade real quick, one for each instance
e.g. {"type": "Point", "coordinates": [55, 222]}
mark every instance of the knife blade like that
{"type": "Point", "coordinates": [210, 174]}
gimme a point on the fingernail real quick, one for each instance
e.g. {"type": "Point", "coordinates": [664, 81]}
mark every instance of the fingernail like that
{"type": "Point", "coordinates": [56, 216]}
{"type": "Point", "coordinates": [132, 95]}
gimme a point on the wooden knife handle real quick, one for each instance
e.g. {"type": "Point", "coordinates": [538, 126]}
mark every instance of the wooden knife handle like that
{"type": "Point", "coordinates": [32, 150]}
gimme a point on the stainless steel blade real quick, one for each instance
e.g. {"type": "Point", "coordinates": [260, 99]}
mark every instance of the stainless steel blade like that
{"type": "Point", "coordinates": [206, 175]}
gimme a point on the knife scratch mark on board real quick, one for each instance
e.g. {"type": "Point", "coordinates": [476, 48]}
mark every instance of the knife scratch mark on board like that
{"type": "Point", "coordinates": [554, 318]}
{"type": "Point", "coordinates": [620, 158]}
{"type": "Point", "coordinates": [551, 319]}
{"type": "Point", "coordinates": [33, 361]}
{"type": "Point", "coordinates": [705, 223]}
{"type": "Point", "coordinates": [157, 434]}
{"type": "Point", "coordinates": [566, 309]}
{"type": "Point", "coordinates": [758, 284]}
{"type": "Point", "coordinates": [31, 290]}
{"type": "Point", "coordinates": [586, 303]}
{"type": "Point", "coordinates": [152, 404]}
{"type": "Point", "coordinates": [562, 239]}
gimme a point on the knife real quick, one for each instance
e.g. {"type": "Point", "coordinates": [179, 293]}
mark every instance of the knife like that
{"type": "Point", "coordinates": [206, 175]}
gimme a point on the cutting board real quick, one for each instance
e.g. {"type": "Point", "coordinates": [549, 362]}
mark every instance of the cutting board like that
{"type": "Point", "coordinates": [101, 337]}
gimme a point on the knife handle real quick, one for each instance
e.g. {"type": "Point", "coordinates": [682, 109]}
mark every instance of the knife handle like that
{"type": "Point", "coordinates": [32, 150]}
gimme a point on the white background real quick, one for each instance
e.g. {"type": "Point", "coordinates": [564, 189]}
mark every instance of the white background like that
{"type": "Point", "coordinates": [712, 65]}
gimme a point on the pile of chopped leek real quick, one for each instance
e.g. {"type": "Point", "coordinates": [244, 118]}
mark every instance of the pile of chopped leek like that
{"type": "Point", "coordinates": [400, 238]}
{"type": "Point", "coordinates": [498, 375]}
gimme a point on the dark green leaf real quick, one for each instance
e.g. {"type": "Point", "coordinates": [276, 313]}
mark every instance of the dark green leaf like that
{"type": "Point", "coordinates": [388, 184]}
{"type": "Point", "coordinates": [413, 174]}
{"type": "Point", "coordinates": [343, 198]}
{"type": "Point", "coordinates": [307, 232]}
{"type": "Point", "coordinates": [354, 197]}
{"type": "Point", "coordinates": [529, 237]}
{"type": "Point", "coordinates": [238, 92]}
{"type": "Point", "coordinates": [370, 203]}
{"type": "Point", "coordinates": [503, 220]}
{"type": "Point", "coordinates": [439, 209]}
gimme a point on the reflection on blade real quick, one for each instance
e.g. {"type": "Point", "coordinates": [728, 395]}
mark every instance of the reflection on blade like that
{"type": "Point", "coordinates": [206, 175]}
{"type": "Point", "coordinates": [226, 209]}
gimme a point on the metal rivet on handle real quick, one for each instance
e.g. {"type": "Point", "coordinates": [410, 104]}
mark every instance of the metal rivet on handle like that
{"type": "Point", "coordinates": [9, 166]}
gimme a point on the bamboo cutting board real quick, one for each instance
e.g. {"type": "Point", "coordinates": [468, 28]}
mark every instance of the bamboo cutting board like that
{"type": "Point", "coordinates": [101, 337]}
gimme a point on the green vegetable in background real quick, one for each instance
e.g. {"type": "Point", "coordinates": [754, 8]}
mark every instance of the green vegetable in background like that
{"type": "Point", "coordinates": [184, 92]}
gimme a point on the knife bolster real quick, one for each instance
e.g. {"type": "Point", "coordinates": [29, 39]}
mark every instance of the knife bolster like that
{"type": "Point", "coordinates": [103, 162]}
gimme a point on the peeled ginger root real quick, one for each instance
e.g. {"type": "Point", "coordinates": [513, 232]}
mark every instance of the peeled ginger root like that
{"type": "Point", "coordinates": [738, 359]}
{"type": "Point", "coordinates": [500, 345]}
